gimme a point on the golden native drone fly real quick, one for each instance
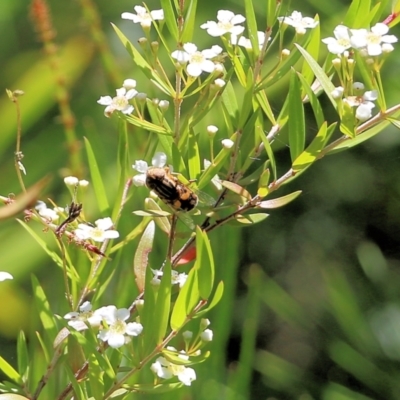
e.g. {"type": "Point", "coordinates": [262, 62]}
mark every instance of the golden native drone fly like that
{"type": "Point", "coordinates": [170, 189]}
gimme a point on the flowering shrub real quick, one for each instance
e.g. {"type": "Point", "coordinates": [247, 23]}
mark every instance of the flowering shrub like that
{"type": "Point", "coordinates": [194, 184]}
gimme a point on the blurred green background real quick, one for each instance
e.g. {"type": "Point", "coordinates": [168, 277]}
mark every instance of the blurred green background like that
{"type": "Point", "coordinates": [322, 317]}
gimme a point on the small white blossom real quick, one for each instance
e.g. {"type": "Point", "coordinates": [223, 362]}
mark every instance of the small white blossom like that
{"type": "Point", "coordinates": [45, 212]}
{"type": "Point", "coordinates": [206, 335]}
{"type": "Point", "coordinates": [99, 233]}
{"type": "Point", "coordinates": [204, 323]}
{"type": "Point", "coordinates": [220, 82]}
{"type": "Point", "coordinates": [364, 111]}
{"type": "Point", "coordinates": [159, 160]}
{"type": "Point", "coordinates": [227, 143]}
{"type": "Point", "coordinates": [358, 86]}
{"type": "Point", "coordinates": [163, 104]}
{"type": "Point", "coordinates": [227, 23]}
{"type": "Point", "coordinates": [166, 370]}
{"type": "Point", "coordinates": [118, 103]}
{"type": "Point", "coordinates": [363, 103]}
{"type": "Point", "coordinates": [341, 42]}
{"type": "Point", "coordinates": [5, 275]}
{"type": "Point", "coordinates": [78, 319]}
{"type": "Point", "coordinates": [129, 84]}
{"type": "Point", "coordinates": [71, 180]}
{"type": "Point", "coordinates": [117, 329]}
{"type": "Point", "coordinates": [198, 61]}
{"type": "Point", "coordinates": [372, 41]}
{"type": "Point", "coordinates": [212, 130]}
{"type": "Point", "coordinates": [83, 183]}
{"type": "Point", "coordinates": [246, 43]}
{"type": "Point", "coordinates": [143, 17]}
{"type": "Point", "coordinates": [187, 335]}
{"type": "Point", "coordinates": [337, 93]}
{"type": "Point", "coordinates": [299, 22]}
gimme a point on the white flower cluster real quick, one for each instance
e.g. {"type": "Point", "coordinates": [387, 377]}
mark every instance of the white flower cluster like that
{"type": "Point", "coordinates": [363, 101]}
{"type": "Point", "coordinates": [111, 321]}
{"type": "Point", "coordinates": [371, 42]}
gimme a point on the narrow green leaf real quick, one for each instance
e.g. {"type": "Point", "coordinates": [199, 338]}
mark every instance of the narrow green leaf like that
{"type": "Point", "coordinates": [263, 188]}
{"type": "Point", "coordinates": [315, 104]}
{"type": "Point", "coordinates": [170, 19]}
{"type": "Point", "coordinates": [252, 26]}
{"type": "Point", "coordinates": [43, 308]}
{"type": "Point", "coordinates": [97, 180]}
{"type": "Point", "coordinates": [216, 299]}
{"type": "Point", "coordinates": [230, 104]}
{"type": "Point", "coordinates": [268, 149]}
{"type": "Point", "coordinates": [251, 219]}
{"type": "Point", "coordinates": [146, 125]}
{"type": "Point", "coordinates": [247, 104]}
{"type": "Point", "coordinates": [142, 63]}
{"type": "Point", "coordinates": [163, 304]}
{"type": "Point", "coordinates": [297, 129]}
{"type": "Point", "coordinates": [280, 201]}
{"type": "Point", "coordinates": [310, 155]}
{"type": "Point", "coordinates": [95, 375]}
{"type": "Point", "coordinates": [235, 188]}
{"type": "Point", "coordinates": [23, 357]}
{"type": "Point", "coordinates": [190, 22]}
{"type": "Point", "coordinates": [266, 107]}
{"type": "Point", "coordinates": [204, 263]}
{"type": "Point", "coordinates": [8, 370]}
{"type": "Point", "coordinates": [142, 255]}
{"type": "Point", "coordinates": [161, 221]}
{"type": "Point", "coordinates": [188, 298]}
{"type": "Point", "coordinates": [348, 121]}
{"type": "Point", "coordinates": [151, 213]}
{"type": "Point", "coordinates": [193, 156]}
{"type": "Point", "coordinates": [320, 75]}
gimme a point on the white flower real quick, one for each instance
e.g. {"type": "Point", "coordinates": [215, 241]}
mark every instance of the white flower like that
{"type": "Point", "coordinates": [219, 82]}
{"type": "Point", "coordinates": [204, 323]}
{"type": "Point", "coordinates": [187, 335]}
{"type": "Point", "coordinates": [5, 275]}
{"type": "Point", "coordinates": [198, 61]}
{"type": "Point", "coordinates": [78, 319]}
{"type": "Point", "coordinates": [298, 22]}
{"type": "Point", "coordinates": [227, 143]}
{"type": "Point", "coordinates": [117, 329]}
{"type": "Point", "coordinates": [163, 104]}
{"type": "Point", "coordinates": [99, 233]}
{"type": "Point", "coordinates": [364, 104]}
{"type": "Point", "coordinates": [212, 130]}
{"type": "Point", "coordinates": [341, 42]}
{"type": "Point", "coordinates": [45, 212]}
{"type": "Point", "coordinates": [166, 370]}
{"type": "Point", "coordinates": [372, 41]}
{"type": "Point", "coordinates": [358, 86]}
{"type": "Point", "coordinates": [227, 23]}
{"type": "Point", "coordinates": [159, 160]}
{"type": "Point", "coordinates": [143, 17]}
{"type": "Point", "coordinates": [71, 180]}
{"type": "Point", "coordinates": [119, 103]}
{"type": "Point", "coordinates": [206, 335]}
{"type": "Point", "coordinates": [337, 93]}
{"type": "Point", "coordinates": [246, 43]}
{"type": "Point", "coordinates": [129, 84]}
{"type": "Point", "coordinates": [83, 183]}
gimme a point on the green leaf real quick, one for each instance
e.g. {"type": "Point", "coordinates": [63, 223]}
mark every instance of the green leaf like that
{"type": "Point", "coordinates": [263, 188]}
{"type": "Point", "coordinates": [8, 370]}
{"type": "Point", "coordinates": [251, 25]}
{"type": "Point", "coordinates": [204, 264]}
{"type": "Point", "coordinates": [268, 149]}
{"type": "Point", "coordinates": [315, 104]}
{"type": "Point", "coordinates": [95, 375]}
{"type": "Point", "coordinates": [161, 221]}
{"type": "Point", "coordinates": [193, 156]}
{"type": "Point", "coordinates": [230, 106]}
{"type": "Point", "coordinates": [170, 19]}
{"type": "Point", "coordinates": [247, 103]}
{"type": "Point", "coordinates": [43, 308]}
{"type": "Point", "coordinates": [235, 188]}
{"type": "Point", "coordinates": [348, 121]}
{"type": "Point", "coordinates": [250, 219]}
{"type": "Point", "coordinates": [297, 134]}
{"type": "Point", "coordinates": [216, 299]}
{"type": "Point", "coordinates": [320, 75]}
{"type": "Point", "coordinates": [12, 396]}
{"type": "Point", "coordinates": [190, 22]}
{"type": "Point", "coordinates": [141, 258]}
{"type": "Point", "coordinates": [146, 125]}
{"type": "Point", "coordinates": [310, 155]}
{"type": "Point", "coordinates": [23, 357]}
{"type": "Point", "coordinates": [188, 298]}
{"type": "Point", "coordinates": [163, 304]}
{"type": "Point", "coordinates": [280, 201]}
{"type": "Point", "coordinates": [142, 63]}
{"type": "Point", "coordinates": [97, 180]}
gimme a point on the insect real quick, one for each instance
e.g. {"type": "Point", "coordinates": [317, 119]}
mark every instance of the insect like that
{"type": "Point", "coordinates": [170, 189]}
{"type": "Point", "coordinates": [74, 211]}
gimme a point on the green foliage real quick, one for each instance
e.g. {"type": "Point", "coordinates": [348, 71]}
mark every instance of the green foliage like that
{"type": "Point", "coordinates": [117, 319]}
